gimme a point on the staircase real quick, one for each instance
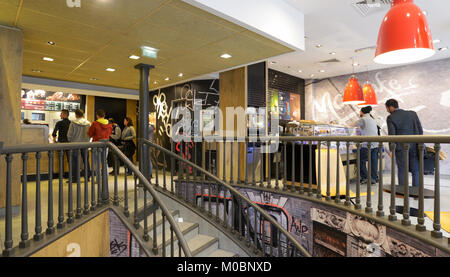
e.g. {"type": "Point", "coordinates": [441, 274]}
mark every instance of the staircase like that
{"type": "Point", "coordinates": [201, 245]}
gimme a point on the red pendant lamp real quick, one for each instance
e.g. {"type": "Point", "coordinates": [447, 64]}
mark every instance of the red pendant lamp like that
{"type": "Point", "coordinates": [370, 97]}
{"type": "Point", "coordinates": [353, 92]}
{"type": "Point", "coordinates": [404, 36]}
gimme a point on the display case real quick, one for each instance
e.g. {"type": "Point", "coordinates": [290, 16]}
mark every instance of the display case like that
{"type": "Point", "coordinates": [308, 129]}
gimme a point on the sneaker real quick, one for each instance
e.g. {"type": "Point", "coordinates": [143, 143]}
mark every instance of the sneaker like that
{"type": "Point", "coordinates": [363, 182]}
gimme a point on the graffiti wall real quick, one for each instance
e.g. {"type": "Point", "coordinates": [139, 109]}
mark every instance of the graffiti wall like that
{"type": "Point", "coordinates": [122, 243]}
{"type": "Point", "coordinates": [423, 87]}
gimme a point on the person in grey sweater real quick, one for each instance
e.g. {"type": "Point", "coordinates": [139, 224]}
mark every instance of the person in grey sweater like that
{"type": "Point", "coordinates": [128, 136]}
{"type": "Point", "coordinates": [78, 132]}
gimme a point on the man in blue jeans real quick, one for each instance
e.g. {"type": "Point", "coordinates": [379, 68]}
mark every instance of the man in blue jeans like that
{"type": "Point", "coordinates": [401, 122]}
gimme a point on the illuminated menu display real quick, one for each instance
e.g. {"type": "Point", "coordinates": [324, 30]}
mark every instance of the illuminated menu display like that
{"type": "Point", "coordinates": [41, 100]}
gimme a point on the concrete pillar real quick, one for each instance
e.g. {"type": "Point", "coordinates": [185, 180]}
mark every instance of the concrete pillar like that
{"type": "Point", "coordinates": [11, 48]}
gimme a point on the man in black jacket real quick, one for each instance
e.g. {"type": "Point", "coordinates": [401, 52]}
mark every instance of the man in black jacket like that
{"type": "Point", "coordinates": [62, 128]}
{"type": "Point", "coordinates": [401, 122]}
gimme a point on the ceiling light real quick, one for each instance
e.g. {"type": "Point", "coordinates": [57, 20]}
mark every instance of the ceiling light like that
{"type": "Point", "coordinates": [333, 53]}
{"type": "Point", "coordinates": [319, 45]}
{"type": "Point", "coordinates": [48, 59]}
{"type": "Point", "coordinates": [300, 71]}
{"type": "Point", "coordinates": [312, 75]}
{"type": "Point", "coordinates": [134, 57]}
{"type": "Point", "coordinates": [226, 56]}
{"type": "Point", "coordinates": [322, 70]}
{"type": "Point", "coordinates": [155, 82]}
{"type": "Point", "coordinates": [94, 79]}
{"type": "Point", "coordinates": [353, 93]}
{"type": "Point", "coordinates": [413, 45]}
{"type": "Point", "coordinates": [370, 97]}
{"type": "Point", "coordinates": [110, 69]}
{"type": "Point", "coordinates": [180, 75]}
{"type": "Point", "coordinates": [436, 41]}
{"type": "Point", "coordinates": [167, 79]}
{"type": "Point", "coordinates": [52, 43]}
{"type": "Point", "coordinates": [272, 62]}
{"type": "Point", "coordinates": [443, 49]}
{"type": "Point", "coordinates": [355, 64]}
{"type": "Point", "coordinates": [36, 71]}
{"type": "Point", "coordinates": [149, 52]}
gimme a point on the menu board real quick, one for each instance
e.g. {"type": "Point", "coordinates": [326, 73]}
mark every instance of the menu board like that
{"type": "Point", "coordinates": [284, 105]}
{"type": "Point", "coordinates": [41, 100]}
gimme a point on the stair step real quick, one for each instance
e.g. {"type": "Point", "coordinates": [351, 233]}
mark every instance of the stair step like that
{"type": "Point", "coordinates": [175, 215]}
{"type": "Point", "coordinates": [219, 253]}
{"type": "Point", "coordinates": [188, 229]}
{"type": "Point", "coordinates": [202, 245]}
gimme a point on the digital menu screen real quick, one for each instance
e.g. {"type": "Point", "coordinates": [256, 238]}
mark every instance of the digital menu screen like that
{"type": "Point", "coordinates": [42, 100]}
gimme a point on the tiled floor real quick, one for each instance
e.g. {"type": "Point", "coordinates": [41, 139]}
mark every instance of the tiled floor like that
{"type": "Point", "coordinates": [429, 203]}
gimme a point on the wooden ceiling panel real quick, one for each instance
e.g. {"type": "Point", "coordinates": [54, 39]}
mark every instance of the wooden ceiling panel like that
{"type": "Point", "coordinates": [8, 11]}
{"type": "Point", "coordinates": [32, 20]}
{"type": "Point", "coordinates": [105, 33]}
{"type": "Point", "coordinates": [112, 16]}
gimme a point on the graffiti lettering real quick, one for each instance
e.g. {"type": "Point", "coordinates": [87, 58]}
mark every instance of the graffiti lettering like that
{"type": "Point", "coordinates": [117, 248]}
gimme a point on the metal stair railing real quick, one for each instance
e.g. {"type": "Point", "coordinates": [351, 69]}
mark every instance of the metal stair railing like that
{"type": "Point", "coordinates": [96, 197]}
{"type": "Point", "coordinates": [217, 193]}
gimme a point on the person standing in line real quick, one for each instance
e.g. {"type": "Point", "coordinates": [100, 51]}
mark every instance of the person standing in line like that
{"type": "Point", "coordinates": [368, 127]}
{"type": "Point", "coordinates": [78, 132]}
{"type": "Point", "coordinates": [128, 136]}
{"type": "Point", "coordinates": [61, 128]}
{"type": "Point", "coordinates": [100, 130]}
{"type": "Point", "coordinates": [114, 139]}
{"type": "Point", "coordinates": [401, 122]}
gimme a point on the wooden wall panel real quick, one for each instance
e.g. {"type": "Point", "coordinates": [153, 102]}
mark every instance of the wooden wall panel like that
{"type": "Point", "coordinates": [11, 52]}
{"type": "Point", "coordinates": [89, 240]}
{"type": "Point", "coordinates": [233, 93]}
{"type": "Point", "coordinates": [90, 108]}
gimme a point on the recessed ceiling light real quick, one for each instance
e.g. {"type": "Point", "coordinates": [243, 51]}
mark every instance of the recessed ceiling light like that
{"type": "Point", "coordinates": [134, 57]}
{"type": "Point", "coordinates": [355, 64]}
{"type": "Point", "coordinates": [155, 82]}
{"type": "Point", "coordinates": [48, 59]}
{"type": "Point", "coordinates": [300, 71]}
{"type": "Point", "coordinates": [322, 70]}
{"type": "Point", "coordinates": [319, 45]}
{"type": "Point", "coordinates": [167, 79]}
{"type": "Point", "coordinates": [226, 56]}
{"type": "Point", "coordinates": [94, 79]}
{"type": "Point", "coordinates": [333, 53]}
{"type": "Point", "coordinates": [52, 43]}
{"type": "Point", "coordinates": [110, 69]}
{"type": "Point", "coordinates": [312, 75]}
{"type": "Point", "coordinates": [273, 62]}
{"type": "Point", "coordinates": [436, 41]}
{"type": "Point", "coordinates": [36, 71]}
{"type": "Point", "coordinates": [180, 75]}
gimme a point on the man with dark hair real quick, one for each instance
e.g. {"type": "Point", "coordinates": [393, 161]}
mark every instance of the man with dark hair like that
{"type": "Point", "coordinates": [78, 132]}
{"type": "Point", "coordinates": [401, 122]}
{"type": "Point", "coordinates": [62, 127]}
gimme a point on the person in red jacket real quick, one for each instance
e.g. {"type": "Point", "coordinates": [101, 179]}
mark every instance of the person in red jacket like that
{"type": "Point", "coordinates": [100, 129]}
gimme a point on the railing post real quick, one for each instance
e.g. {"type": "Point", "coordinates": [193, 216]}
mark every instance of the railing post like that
{"type": "Point", "coordinates": [421, 217]}
{"type": "Point", "coordinates": [50, 222]}
{"type": "Point", "coordinates": [78, 214]}
{"type": "Point", "coordinates": [38, 226]}
{"type": "Point", "coordinates": [319, 169]}
{"type": "Point", "coordinates": [310, 189]}
{"type": "Point", "coordinates": [338, 181]}
{"type": "Point", "coordinates": [406, 221]}
{"type": "Point", "coordinates": [392, 215]}
{"type": "Point", "coordinates": [348, 203]}
{"type": "Point", "coordinates": [437, 196]}
{"type": "Point", "coordinates": [70, 218]}
{"type": "Point", "coordinates": [61, 222]}
{"type": "Point", "coordinates": [105, 189]}
{"type": "Point", "coordinates": [8, 251]}
{"type": "Point", "coordinates": [328, 198]}
{"type": "Point", "coordinates": [380, 211]}
{"type": "Point", "coordinates": [369, 179]}
{"type": "Point", "coordinates": [358, 177]}
{"type": "Point", "coordinates": [24, 236]}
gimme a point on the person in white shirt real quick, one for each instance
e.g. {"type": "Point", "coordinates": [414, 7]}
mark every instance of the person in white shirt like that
{"type": "Point", "coordinates": [368, 127]}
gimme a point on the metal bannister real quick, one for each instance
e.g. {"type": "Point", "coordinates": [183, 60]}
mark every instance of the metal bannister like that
{"type": "Point", "coordinates": [223, 192]}
{"type": "Point", "coordinates": [75, 153]}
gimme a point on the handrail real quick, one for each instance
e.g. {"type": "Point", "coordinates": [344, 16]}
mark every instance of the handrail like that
{"type": "Point", "coordinates": [387, 139]}
{"type": "Point", "coordinates": [155, 196]}
{"type": "Point", "coordinates": [98, 154]}
{"type": "Point", "coordinates": [235, 192]}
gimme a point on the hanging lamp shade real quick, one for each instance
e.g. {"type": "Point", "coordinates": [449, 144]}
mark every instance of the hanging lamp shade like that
{"type": "Point", "coordinates": [370, 97]}
{"type": "Point", "coordinates": [404, 36]}
{"type": "Point", "coordinates": [353, 92]}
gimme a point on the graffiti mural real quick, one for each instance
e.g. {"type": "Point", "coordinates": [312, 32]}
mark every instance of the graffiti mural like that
{"type": "Point", "coordinates": [423, 88]}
